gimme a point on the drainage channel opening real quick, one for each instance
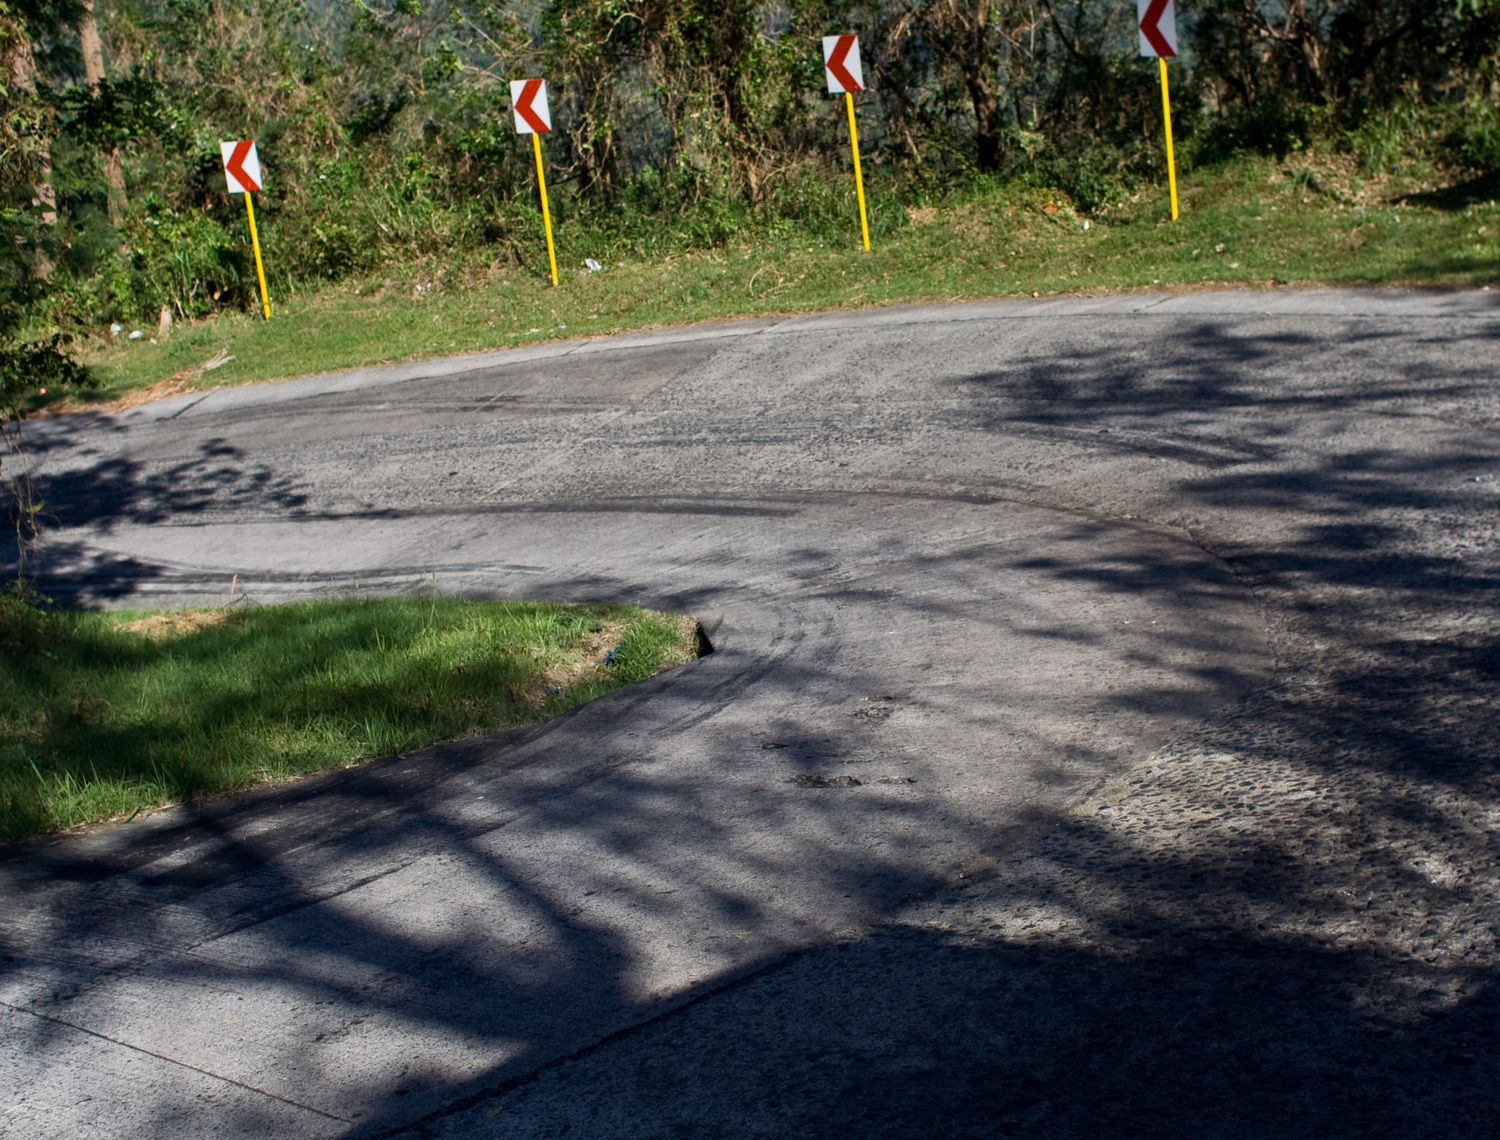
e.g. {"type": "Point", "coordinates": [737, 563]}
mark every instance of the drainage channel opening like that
{"type": "Point", "coordinates": [702, 646]}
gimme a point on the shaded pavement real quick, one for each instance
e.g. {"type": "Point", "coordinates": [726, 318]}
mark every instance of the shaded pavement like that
{"type": "Point", "coordinates": [1158, 634]}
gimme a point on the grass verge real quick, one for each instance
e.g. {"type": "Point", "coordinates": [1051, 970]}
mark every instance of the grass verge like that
{"type": "Point", "coordinates": [106, 714]}
{"type": "Point", "coordinates": [1311, 220]}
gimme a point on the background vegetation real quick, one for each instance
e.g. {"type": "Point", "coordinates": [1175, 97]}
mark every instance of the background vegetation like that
{"type": "Point", "coordinates": [682, 126]}
{"type": "Point", "coordinates": [683, 129]}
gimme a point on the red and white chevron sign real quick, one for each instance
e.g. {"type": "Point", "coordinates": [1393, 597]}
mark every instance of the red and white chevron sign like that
{"type": "Point", "coordinates": [241, 166]}
{"type": "Point", "coordinates": [1157, 22]}
{"type": "Point", "coordinates": [841, 63]}
{"type": "Point", "coordinates": [528, 99]}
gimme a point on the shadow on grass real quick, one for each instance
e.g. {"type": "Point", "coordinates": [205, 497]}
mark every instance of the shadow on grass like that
{"type": "Point", "coordinates": [1459, 196]}
{"type": "Point", "coordinates": [118, 719]}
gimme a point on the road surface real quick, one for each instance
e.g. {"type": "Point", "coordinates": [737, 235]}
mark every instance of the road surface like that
{"type": "Point", "coordinates": [1100, 739]}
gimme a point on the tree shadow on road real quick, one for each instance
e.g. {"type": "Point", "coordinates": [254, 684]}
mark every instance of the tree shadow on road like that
{"type": "Point", "coordinates": [1283, 925]}
{"type": "Point", "coordinates": [915, 1033]}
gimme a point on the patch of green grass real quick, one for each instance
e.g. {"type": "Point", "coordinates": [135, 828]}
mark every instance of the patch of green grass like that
{"type": "Point", "coordinates": [1247, 222]}
{"type": "Point", "coordinates": [105, 714]}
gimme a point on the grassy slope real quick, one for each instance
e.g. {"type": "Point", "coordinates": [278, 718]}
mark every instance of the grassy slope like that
{"type": "Point", "coordinates": [104, 714]}
{"type": "Point", "coordinates": [1249, 222]}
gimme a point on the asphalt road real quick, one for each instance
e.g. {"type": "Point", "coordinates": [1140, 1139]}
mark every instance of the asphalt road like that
{"type": "Point", "coordinates": [1100, 740]}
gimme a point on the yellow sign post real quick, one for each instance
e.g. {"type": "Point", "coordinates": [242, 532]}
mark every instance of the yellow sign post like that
{"type": "Point", "coordinates": [528, 100]}
{"type": "Point", "coordinates": [842, 68]}
{"type": "Point", "coordinates": [541, 184]}
{"type": "Point", "coordinates": [1156, 21]}
{"type": "Point", "coordinates": [260, 269]}
{"type": "Point", "coordinates": [242, 172]}
{"type": "Point", "coordinates": [859, 178]}
{"type": "Point", "coordinates": [1166, 114]}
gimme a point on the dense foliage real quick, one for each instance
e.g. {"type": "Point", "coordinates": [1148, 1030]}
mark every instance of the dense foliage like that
{"type": "Point", "coordinates": [385, 131]}
{"type": "Point", "coordinates": [29, 229]}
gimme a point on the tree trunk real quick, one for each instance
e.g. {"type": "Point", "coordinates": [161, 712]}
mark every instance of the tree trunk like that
{"type": "Point", "coordinates": [23, 80]}
{"type": "Point", "coordinates": [594, 137]}
{"type": "Point", "coordinates": [986, 118]}
{"type": "Point", "coordinates": [981, 76]}
{"type": "Point", "coordinates": [93, 49]}
{"type": "Point", "coordinates": [93, 71]}
{"type": "Point", "coordinates": [21, 71]}
{"type": "Point", "coordinates": [962, 34]}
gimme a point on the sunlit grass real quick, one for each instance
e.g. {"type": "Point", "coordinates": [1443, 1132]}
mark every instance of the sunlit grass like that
{"type": "Point", "coordinates": [1250, 222]}
{"type": "Point", "coordinates": [105, 714]}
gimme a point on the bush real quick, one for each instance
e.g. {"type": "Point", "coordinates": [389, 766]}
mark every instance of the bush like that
{"type": "Point", "coordinates": [1474, 141]}
{"type": "Point", "coordinates": [1270, 127]}
{"type": "Point", "coordinates": [23, 624]}
{"type": "Point", "coordinates": [1383, 136]}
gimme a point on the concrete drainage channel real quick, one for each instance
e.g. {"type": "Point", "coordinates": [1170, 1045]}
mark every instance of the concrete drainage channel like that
{"type": "Point", "coordinates": [943, 653]}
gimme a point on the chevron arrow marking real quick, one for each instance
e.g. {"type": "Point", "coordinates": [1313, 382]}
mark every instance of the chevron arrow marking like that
{"type": "Point", "coordinates": [241, 166]}
{"type": "Point", "coordinates": [532, 117]}
{"type": "Point", "coordinates": [1156, 40]}
{"type": "Point", "coordinates": [844, 73]}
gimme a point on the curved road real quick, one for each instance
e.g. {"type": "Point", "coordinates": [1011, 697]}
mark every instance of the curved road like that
{"type": "Point", "coordinates": [1100, 739]}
